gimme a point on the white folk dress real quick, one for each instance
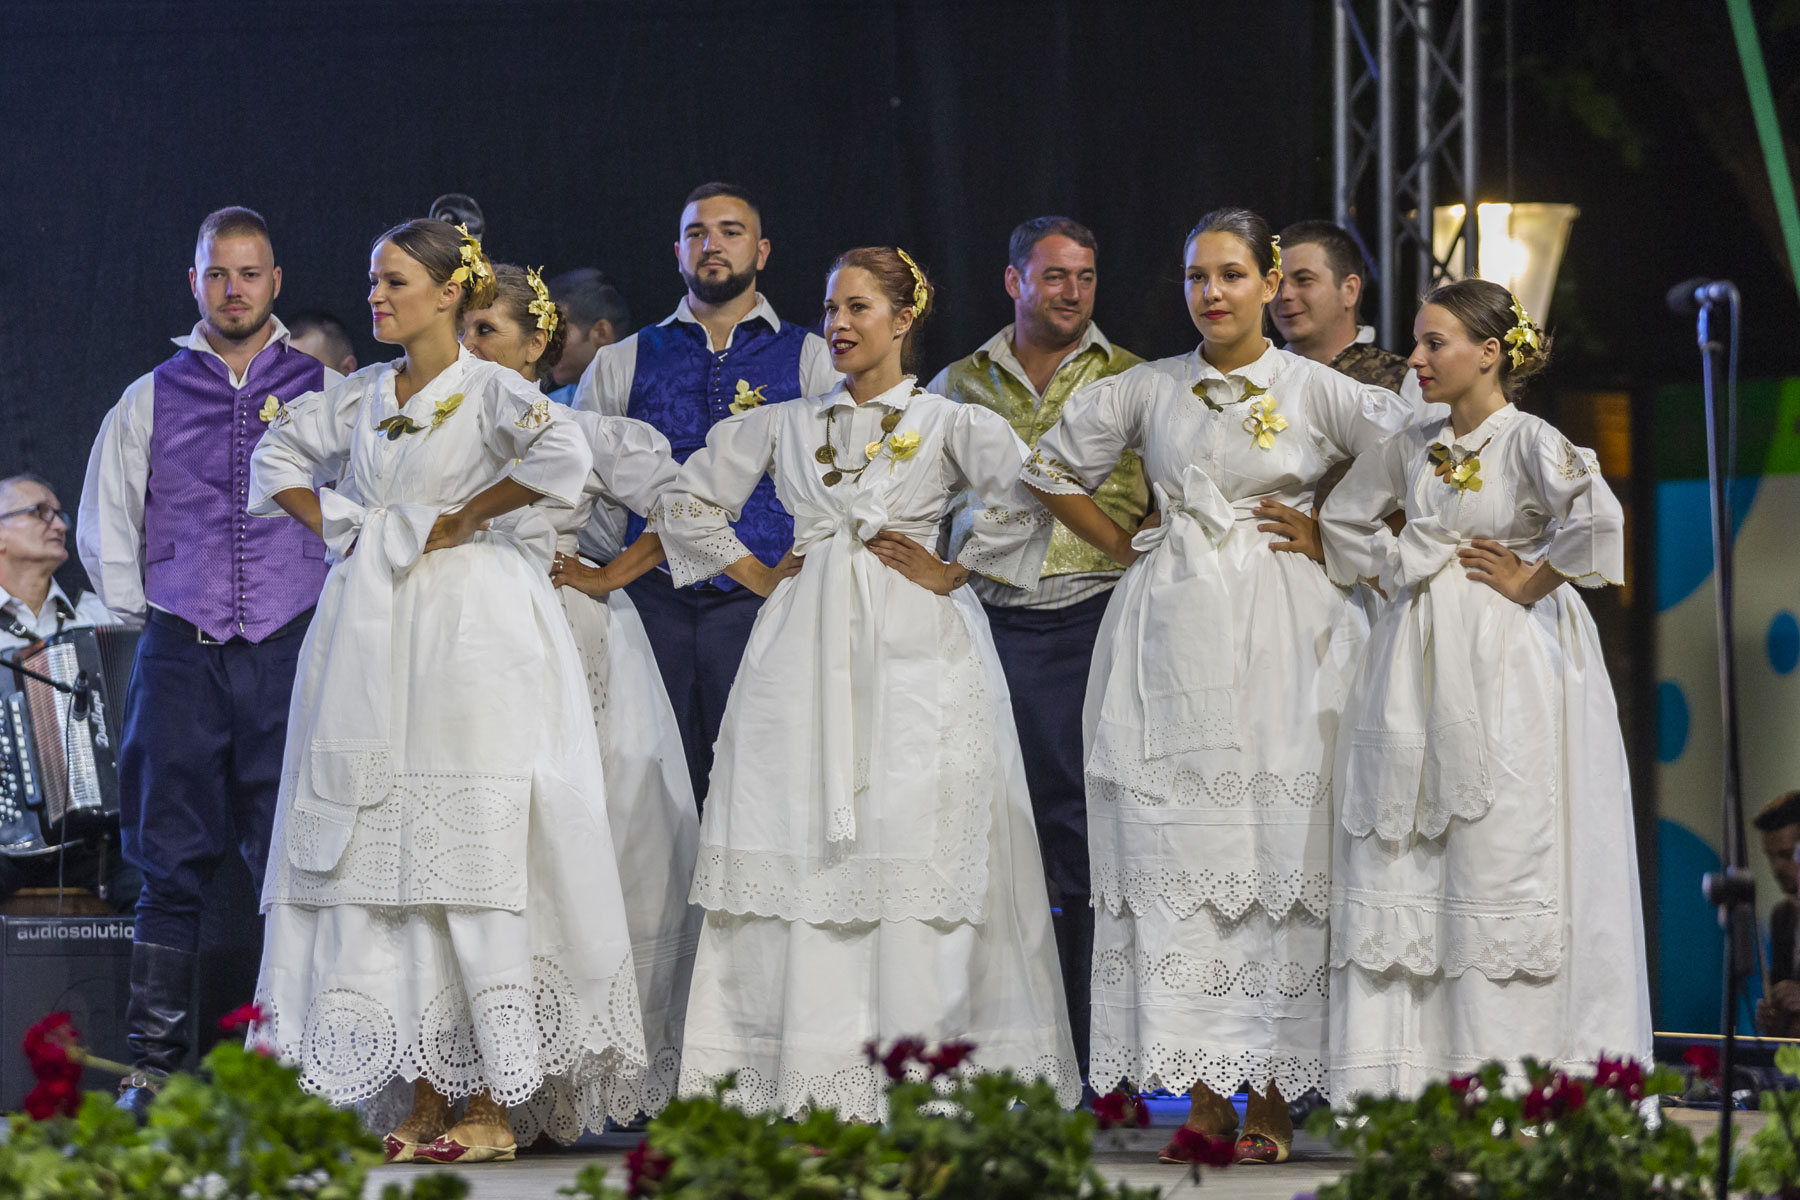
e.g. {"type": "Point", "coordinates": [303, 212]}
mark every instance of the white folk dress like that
{"type": "Point", "coordinates": [442, 897]}
{"type": "Point", "coordinates": [649, 801]}
{"type": "Point", "coordinates": [1211, 714]}
{"type": "Point", "coordinates": [868, 861]}
{"type": "Point", "coordinates": [1485, 891]}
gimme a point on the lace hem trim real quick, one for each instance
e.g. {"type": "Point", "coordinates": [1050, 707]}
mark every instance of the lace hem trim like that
{"type": "Point", "coordinates": [856, 1093]}
{"type": "Point", "coordinates": [1399, 783]}
{"type": "Point", "coordinates": [1224, 1070]}
{"type": "Point", "coordinates": [511, 1040]}
{"type": "Point", "coordinates": [1212, 977]}
{"type": "Point", "coordinates": [1426, 936]}
{"type": "Point", "coordinates": [1231, 894]}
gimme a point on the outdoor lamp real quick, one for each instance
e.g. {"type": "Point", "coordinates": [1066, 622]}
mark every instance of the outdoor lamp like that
{"type": "Point", "coordinates": [1521, 247]}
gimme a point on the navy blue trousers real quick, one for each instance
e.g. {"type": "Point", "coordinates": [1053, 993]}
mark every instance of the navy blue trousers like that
{"type": "Point", "coordinates": [698, 636]}
{"type": "Point", "coordinates": [199, 768]}
{"type": "Point", "coordinates": [1046, 654]}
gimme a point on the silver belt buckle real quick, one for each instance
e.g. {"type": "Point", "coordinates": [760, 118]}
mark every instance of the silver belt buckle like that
{"type": "Point", "coordinates": [201, 637]}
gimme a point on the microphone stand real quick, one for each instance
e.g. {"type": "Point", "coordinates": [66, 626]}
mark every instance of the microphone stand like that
{"type": "Point", "coordinates": [1733, 890]}
{"type": "Point", "coordinates": [80, 693]}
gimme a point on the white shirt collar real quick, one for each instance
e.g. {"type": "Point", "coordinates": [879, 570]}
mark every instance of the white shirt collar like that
{"type": "Point", "coordinates": [760, 309]}
{"type": "Point", "coordinates": [999, 349]}
{"type": "Point", "coordinates": [1476, 437]}
{"type": "Point", "coordinates": [897, 397]}
{"type": "Point", "coordinates": [1365, 335]}
{"type": "Point", "coordinates": [195, 338]}
{"type": "Point", "coordinates": [1261, 372]}
{"type": "Point", "coordinates": [441, 383]}
{"type": "Point", "coordinates": [56, 596]}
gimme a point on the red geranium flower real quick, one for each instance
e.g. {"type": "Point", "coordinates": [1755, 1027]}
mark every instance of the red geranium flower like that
{"type": "Point", "coordinates": [1191, 1145]}
{"type": "Point", "coordinates": [241, 1017]}
{"type": "Point", "coordinates": [903, 1052]}
{"type": "Point", "coordinates": [1622, 1075]}
{"type": "Point", "coordinates": [646, 1168]}
{"type": "Point", "coordinates": [48, 1043]}
{"type": "Point", "coordinates": [1462, 1085]}
{"type": "Point", "coordinates": [1705, 1061]}
{"type": "Point", "coordinates": [1555, 1097]}
{"type": "Point", "coordinates": [947, 1057]}
{"type": "Point", "coordinates": [52, 1098]}
{"type": "Point", "coordinates": [1120, 1107]}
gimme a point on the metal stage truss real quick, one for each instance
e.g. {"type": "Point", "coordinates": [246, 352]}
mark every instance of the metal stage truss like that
{"type": "Point", "coordinates": [1386, 183]}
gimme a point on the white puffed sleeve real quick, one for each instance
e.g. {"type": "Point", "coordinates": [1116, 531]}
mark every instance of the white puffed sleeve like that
{"type": "Point", "coordinates": [1357, 541]}
{"type": "Point", "coordinates": [633, 463]}
{"type": "Point", "coordinates": [1098, 423]}
{"type": "Point", "coordinates": [1352, 418]}
{"type": "Point", "coordinates": [308, 442]}
{"type": "Point", "coordinates": [1010, 533]}
{"type": "Point", "coordinates": [1587, 540]}
{"type": "Point", "coordinates": [109, 528]}
{"type": "Point", "coordinates": [552, 453]}
{"type": "Point", "coordinates": [695, 512]}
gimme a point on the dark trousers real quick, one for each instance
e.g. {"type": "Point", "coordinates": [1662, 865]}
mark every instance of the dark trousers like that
{"type": "Point", "coordinates": [1045, 654]}
{"type": "Point", "coordinates": [200, 767]}
{"type": "Point", "coordinates": [698, 636]}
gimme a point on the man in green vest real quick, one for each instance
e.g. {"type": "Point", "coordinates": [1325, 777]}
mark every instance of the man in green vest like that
{"type": "Point", "coordinates": [1046, 638]}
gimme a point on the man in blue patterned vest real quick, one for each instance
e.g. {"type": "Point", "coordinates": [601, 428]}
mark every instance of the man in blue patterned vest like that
{"type": "Point", "coordinates": [722, 350]}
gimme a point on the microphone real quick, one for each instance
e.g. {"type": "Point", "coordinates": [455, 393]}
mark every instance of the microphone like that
{"type": "Point", "coordinates": [1691, 295]}
{"type": "Point", "coordinates": [80, 697]}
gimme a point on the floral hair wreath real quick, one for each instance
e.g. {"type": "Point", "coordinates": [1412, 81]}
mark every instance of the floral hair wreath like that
{"type": "Point", "coordinates": [543, 308]}
{"type": "Point", "coordinates": [921, 298]}
{"type": "Point", "coordinates": [475, 269]}
{"type": "Point", "coordinates": [1525, 339]}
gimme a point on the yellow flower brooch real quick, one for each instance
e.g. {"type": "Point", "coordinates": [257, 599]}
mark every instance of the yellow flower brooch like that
{"type": "Point", "coordinates": [399, 425]}
{"type": "Point", "coordinates": [1461, 469]}
{"type": "Point", "coordinates": [747, 397]}
{"type": "Point", "coordinates": [1264, 422]}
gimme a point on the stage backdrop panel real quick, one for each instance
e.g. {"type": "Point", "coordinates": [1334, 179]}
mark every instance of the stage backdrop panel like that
{"type": "Point", "coordinates": [580, 127]}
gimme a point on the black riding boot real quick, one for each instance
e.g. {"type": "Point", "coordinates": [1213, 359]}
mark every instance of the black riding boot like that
{"type": "Point", "coordinates": [162, 987]}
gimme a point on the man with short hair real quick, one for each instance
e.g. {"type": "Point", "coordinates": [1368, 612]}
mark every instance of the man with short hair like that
{"type": "Point", "coordinates": [1778, 826]}
{"type": "Point", "coordinates": [1315, 310]}
{"type": "Point", "coordinates": [721, 350]}
{"type": "Point", "coordinates": [166, 534]}
{"type": "Point", "coordinates": [595, 315]}
{"type": "Point", "coordinates": [316, 332]}
{"type": "Point", "coordinates": [1045, 638]}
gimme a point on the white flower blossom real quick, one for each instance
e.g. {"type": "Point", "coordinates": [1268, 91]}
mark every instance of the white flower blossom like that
{"type": "Point", "coordinates": [210, 1186]}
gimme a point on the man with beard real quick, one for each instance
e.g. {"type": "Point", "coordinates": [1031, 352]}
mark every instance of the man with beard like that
{"type": "Point", "coordinates": [1045, 638]}
{"type": "Point", "coordinates": [166, 535]}
{"type": "Point", "coordinates": [721, 352]}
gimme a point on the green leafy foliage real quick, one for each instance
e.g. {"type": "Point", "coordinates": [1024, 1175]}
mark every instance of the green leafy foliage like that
{"type": "Point", "coordinates": [1564, 1139]}
{"type": "Point", "coordinates": [1768, 1164]}
{"type": "Point", "coordinates": [241, 1128]}
{"type": "Point", "coordinates": [959, 1137]}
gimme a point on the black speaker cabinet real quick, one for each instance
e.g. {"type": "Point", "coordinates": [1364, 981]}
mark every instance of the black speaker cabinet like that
{"type": "Point", "coordinates": [78, 965]}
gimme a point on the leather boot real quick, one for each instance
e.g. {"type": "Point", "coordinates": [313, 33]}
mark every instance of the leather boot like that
{"type": "Point", "coordinates": [156, 1021]}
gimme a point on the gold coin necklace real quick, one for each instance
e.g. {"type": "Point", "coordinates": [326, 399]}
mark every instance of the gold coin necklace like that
{"type": "Point", "coordinates": [827, 454]}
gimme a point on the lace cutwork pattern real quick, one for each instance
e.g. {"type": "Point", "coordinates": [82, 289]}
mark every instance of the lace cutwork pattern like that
{"type": "Point", "coordinates": [856, 1093]}
{"type": "Point", "coordinates": [949, 885]}
{"type": "Point", "coordinates": [1224, 1069]}
{"type": "Point", "coordinates": [694, 555]}
{"type": "Point", "coordinates": [1426, 935]}
{"type": "Point", "coordinates": [440, 837]}
{"type": "Point", "coordinates": [540, 1049]}
{"type": "Point", "coordinates": [1396, 783]}
{"type": "Point", "coordinates": [1120, 778]}
{"type": "Point", "coordinates": [1231, 894]}
{"type": "Point", "coordinates": [1213, 977]}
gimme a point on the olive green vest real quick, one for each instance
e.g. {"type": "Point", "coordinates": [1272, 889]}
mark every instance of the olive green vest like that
{"type": "Point", "coordinates": [1124, 496]}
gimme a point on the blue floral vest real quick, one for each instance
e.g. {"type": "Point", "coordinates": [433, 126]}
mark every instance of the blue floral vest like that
{"type": "Point", "coordinates": [684, 389]}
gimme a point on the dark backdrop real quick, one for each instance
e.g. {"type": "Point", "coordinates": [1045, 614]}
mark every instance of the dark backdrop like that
{"type": "Point", "coordinates": [581, 126]}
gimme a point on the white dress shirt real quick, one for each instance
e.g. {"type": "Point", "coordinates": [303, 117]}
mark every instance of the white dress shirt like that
{"type": "Point", "coordinates": [59, 613]}
{"type": "Point", "coordinates": [109, 530]}
{"type": "Point", "coordinates": [605, 386]}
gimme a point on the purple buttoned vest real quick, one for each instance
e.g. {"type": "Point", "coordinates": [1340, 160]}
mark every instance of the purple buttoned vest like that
{"type": "Point", "coordinates": [206, 559]}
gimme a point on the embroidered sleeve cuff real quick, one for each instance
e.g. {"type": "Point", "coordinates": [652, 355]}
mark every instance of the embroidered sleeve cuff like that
{"type": "Point", "coordinates": [1008, 545]}
{"type": "Point", "coordinates": [695, 536]}
{"type": "Point", "coordinates": [1052, 475]}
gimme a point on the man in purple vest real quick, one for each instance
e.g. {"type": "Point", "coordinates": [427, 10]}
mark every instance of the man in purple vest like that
{"type": "Point", "coordinates": [721, 351]}
{"type": "Point", "coordinates": [165, 534]}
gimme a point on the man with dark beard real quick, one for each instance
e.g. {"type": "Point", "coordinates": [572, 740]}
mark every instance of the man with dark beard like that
{"type": "Point", "coordinates": [165, 533]}
{"type": "Point", "coordinates": [721, 352]}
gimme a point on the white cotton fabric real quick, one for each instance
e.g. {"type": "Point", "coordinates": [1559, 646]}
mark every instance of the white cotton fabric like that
{"type": "Point", "coordinates": [1485, 895]}
{"type": "Point", "coordinates": [442, 897]}
{"type": "Point", "coordinates": [1211, 714]}
{"type": "Point", "coordinates": [649, 801]}
{"type": "Point", "coordinates": [867, 859]}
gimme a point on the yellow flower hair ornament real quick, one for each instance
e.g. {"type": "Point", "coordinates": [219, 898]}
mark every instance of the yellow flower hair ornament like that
{"type": "Point", "coordinates": [543, 308]}
{"type": "Point", "coordinates": [1275, 250]}
{"type": "Point", "coordinates": [474, 269]}
{"type": "Point", "coordinates": [1524, 338]}
{"type": "Point", "coordinates": [921, 297]}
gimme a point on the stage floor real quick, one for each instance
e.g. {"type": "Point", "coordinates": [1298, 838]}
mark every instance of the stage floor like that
{"type": "Point", "coordinates": [1130, 1159]}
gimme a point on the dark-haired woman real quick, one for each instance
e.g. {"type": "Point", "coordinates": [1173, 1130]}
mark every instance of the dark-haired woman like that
{"type": "Point", "coordinates": [1213, 698]}
{"type": "Point", "coordinates": [444, 916]}
{"type": "Point", "coordinates": [1485, 890]}
{"type": "Point", "coordinates": [649, 802]}
{"type": "Point", "coordinates": [868, 864]}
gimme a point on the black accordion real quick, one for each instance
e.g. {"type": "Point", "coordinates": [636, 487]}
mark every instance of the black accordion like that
{"type": "Point", "coordinates": [59, 771]}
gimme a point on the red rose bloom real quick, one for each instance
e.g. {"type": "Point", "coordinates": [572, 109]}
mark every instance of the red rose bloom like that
{"type": "Point", "coordinates": [646, 1169]}
{"type": "Point", "coordinates": [241, 1017]}
{"type": "Point", "coordinates": [1704, 1060]}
